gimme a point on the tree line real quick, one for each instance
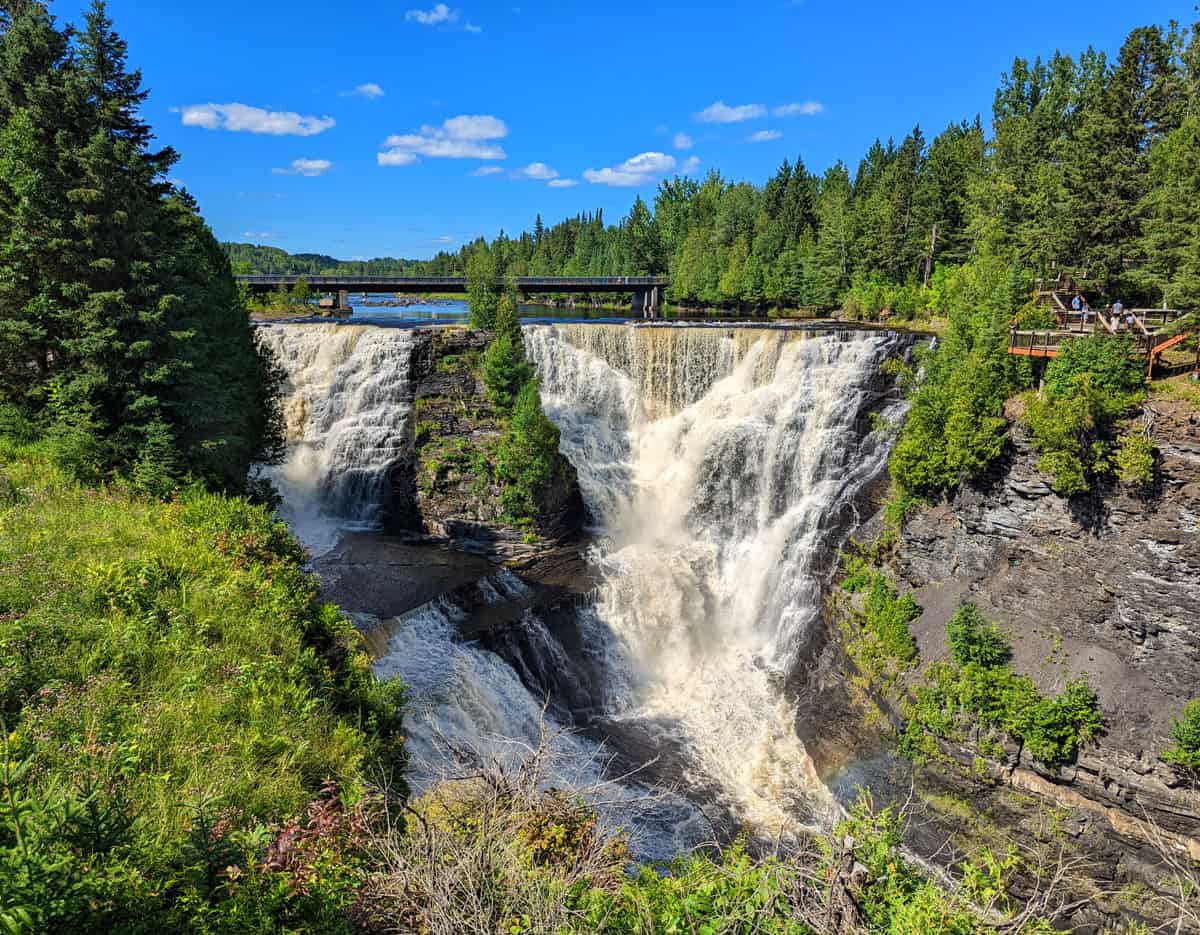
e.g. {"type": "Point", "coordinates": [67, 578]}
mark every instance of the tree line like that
{"type": "Point", "coordinates": [1090, 169]}
{"type": "Point", "coordinates": [124, 344]}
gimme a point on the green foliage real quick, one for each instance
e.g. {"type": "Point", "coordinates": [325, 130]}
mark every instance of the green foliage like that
{"type": "Point", "coordinates": [1184, 752]}
{"type": "Point", "coordinates": [1109, 364]}
{"type": "Point", "coordinates": [1135, 460]}
{"type": "Point", "coordinates": [955, 428]}
{"type": "Point", "coordinates": [171, 691]}
{"type": "Point", "coordinates": [974, 639]}
{"type": "Point", "coordinates": [980, 688]}
{"type": "Point", "coordinates": [483, 286]}
{"type": "Point", "coordinates": [1093, 381]}
{"type": "Point", "coordinates": [888, 616]}
{"type": "Point", "coordinates": [505, 369]}
{"type": "Point", "coordinates": [881, 643]}
{"type": "Point", "coordinates": [528, 456]}
{"type": "Point", "coordinates": [119, 317]}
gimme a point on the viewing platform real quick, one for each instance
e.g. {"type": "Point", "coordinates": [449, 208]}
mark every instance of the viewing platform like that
{"type": "Point", "coordinates": [1148, 328]}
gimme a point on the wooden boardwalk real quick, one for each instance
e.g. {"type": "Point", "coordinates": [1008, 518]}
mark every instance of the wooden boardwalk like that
{"type": "Point", "coordinates": [1145, 328]}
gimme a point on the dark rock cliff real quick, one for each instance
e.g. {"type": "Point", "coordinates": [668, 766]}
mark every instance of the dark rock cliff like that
{"type": "Point", "coordinates": [1107, 585]}
{"type": "Point", "coordinates": [447, 491]}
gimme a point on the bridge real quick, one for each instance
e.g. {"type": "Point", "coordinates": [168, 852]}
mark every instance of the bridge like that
{"type": "Point", "coordinates": [647, 291]}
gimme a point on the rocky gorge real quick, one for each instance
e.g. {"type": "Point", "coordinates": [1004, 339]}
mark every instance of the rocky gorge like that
{"type": "Point", "coordinates": [497, 625]}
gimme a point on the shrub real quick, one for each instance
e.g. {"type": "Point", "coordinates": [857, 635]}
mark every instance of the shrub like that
{"type": "Point", "coordinates": [527, 457]}
{"type": "Point", "coordinates": [1055, 729]}
{"type": "Point", "coordinates": [980, 688]}
{"type": "Point", "coordinates": [888, 617]}
{"type": "Point", "coordinates": [1110, 363]}
{"type": "Point", "coordinates": [1185, 751]}
{"type": "Point", "coordinates": [973, 639]}
{"type": "Point", "coordinates": [505, 369]}
{"type": "Point", "coordinates": [1135, 460]}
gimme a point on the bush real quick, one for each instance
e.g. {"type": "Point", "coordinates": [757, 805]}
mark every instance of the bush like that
{"type": "Point", "coordinates": [980, 688]}
{"type": "Point", "coordinates": [888, 617]}
{"type": "Point", "coordinates": [1185, 751]}
{"type": "Point", "coordinates": [1135, 460]}
{"type": "Point", "coordinates": [1111, 364]}
{"type": "Point", "coordinates": [527, 457]}
{"type": "Point", "coordinates": [973, 639]}
{"type": "Point", "coordinates": [1055, 729]}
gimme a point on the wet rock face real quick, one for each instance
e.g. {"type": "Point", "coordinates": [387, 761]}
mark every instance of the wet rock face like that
{"type": "Point", "coordinates": [444, 490]}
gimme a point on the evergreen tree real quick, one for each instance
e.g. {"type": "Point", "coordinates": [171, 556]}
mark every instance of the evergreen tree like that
{"type": "Point", "coordinates": [98, 337]}
{"type": "Point", "coordinates": [505, 369]}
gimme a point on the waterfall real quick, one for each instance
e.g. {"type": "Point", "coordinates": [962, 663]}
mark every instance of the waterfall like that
{"type": "Point", "coordinates": [717, 463]}
{"type": "Point", "coordinates": [347, 399]}
{"type": "Point", "coordinates": [721, 466]}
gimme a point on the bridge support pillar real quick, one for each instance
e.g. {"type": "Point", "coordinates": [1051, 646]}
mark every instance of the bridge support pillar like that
{"type": "Point", "coordinates": [343, 299]}
{"type": "Point", "coordinates": [645, 302]}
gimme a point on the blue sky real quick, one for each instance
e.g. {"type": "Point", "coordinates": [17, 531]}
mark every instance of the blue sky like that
{"type": "Point", "coordinates": [401, 127]}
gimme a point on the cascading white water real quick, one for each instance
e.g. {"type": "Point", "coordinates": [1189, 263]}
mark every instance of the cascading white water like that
{"type": "Point", "coordinates": [347, 400]}
{"type": "Point", "coordinates": [716, 463]}
{"type": "Point", "coordinates": [713, 461]}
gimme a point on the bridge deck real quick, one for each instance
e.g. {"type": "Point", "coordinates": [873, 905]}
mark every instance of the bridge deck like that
{"type": "Point", "coordinates": [526, 284]}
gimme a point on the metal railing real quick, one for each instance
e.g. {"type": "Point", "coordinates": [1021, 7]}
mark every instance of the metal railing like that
{"type": "Point", "coordinates": [531, 283]}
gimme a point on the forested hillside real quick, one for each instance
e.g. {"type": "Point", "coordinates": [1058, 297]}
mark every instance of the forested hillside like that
{"type": "Point", "coordinates": [1090, 166]}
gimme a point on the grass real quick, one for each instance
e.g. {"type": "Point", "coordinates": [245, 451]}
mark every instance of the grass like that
{"type": "Point", "coordinates": [169, 666]}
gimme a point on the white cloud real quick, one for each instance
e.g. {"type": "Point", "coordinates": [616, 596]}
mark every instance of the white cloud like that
{"type": "Point", "coordinates": [307, 167]}
{"type": "Point", "coordinates": [691, 164]}
{"type": "Point", "coordinates": [251, 235]}
{"type": "Point", "coordinates": [436, 17]}
{"type": "Point", "coordinates": [764, 136]}
{"type": "Point", "coordinates": [538, 171]}
{"type": "Point", "coordinates": [443, 239]}
{"type": "Point", "coordinates": [563, 183]}
{"type": "Point", "coordinates": [244, 118]}
{"type": "Point", "coordinates": [395, 157]}
{"type": "Point", "coordinates": [720, 112]}
{"type": "Point", "coordinates": [370, 91]}
{"type": "Point", "coordinates": [468, 136]}
{"type": "Point", "coordinates": [472, 127]}
{"type": "Point", "coordinates": [471, 27]}
{"type": "Point", "coordinates": [683, 141]}
{"type": "Point", "coordinates": [799, 109]}
{"type": "Point", "coordinates": [637, 170]}
{"type": "Point", "coordinates": [487, 170]}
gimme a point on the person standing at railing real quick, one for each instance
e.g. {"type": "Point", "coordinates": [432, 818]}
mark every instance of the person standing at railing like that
{"type": "Point", "coordinates": [1116, 313]}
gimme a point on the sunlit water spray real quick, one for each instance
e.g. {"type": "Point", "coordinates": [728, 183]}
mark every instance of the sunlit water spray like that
{"type": "Point", "coordinates": [714, 461]}
{"type": "Point", "coordinates": [346, 403]}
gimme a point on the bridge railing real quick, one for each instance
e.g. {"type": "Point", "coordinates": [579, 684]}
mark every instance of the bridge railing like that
{"type": "Point", "coordinates": [531, 283]}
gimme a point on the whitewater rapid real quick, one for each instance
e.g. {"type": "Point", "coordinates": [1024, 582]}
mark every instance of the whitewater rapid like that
{"type": "Point", "coordinates": [720, 466]}
{"type": "Point", "coordinates": [346, 405]}
{"type": "Point", "coordinates": [716, 463]}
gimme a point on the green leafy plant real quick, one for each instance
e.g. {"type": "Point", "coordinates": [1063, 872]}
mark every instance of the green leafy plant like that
{"type": "Point", "coordinates": [1184, 752]}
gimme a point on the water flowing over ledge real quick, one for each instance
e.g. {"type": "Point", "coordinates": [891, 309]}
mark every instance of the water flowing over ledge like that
{"type": "Point", "coordinates": [716, 463]}
{"type": "Point", "coordinates": [720, 466]}
{"type": "Point", "coordinates": [347, 400]}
